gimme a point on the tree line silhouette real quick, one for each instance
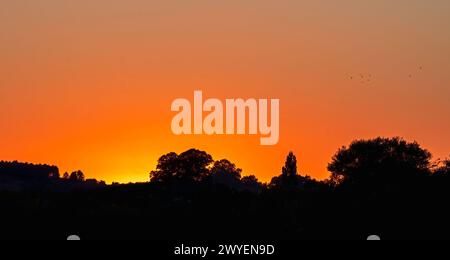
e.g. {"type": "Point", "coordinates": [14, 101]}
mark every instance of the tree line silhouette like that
{"type": "Point", "coordinates": [384, 186]}
{"type": "Point", "coordinates": [16, 176]}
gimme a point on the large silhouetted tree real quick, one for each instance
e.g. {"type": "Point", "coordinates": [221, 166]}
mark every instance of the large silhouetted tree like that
{"type": "Point", "coordinates": [379, 162]}
{"type": "Point", "coordinates": [167, 168]}
{"type": "Point", "coordinates": [290, 168]}
{"type": "Point", "coordinates": [226, 173]}
{"type": "Point", "coordinates": [189, 166]}
{"type": "Point", "coordinates": [289, 177]}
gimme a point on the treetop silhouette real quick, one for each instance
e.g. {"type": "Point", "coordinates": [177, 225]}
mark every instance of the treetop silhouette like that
{"type": "Point", "coordinates": [190, 166]}
{"type": "Point", "coordinates": [290, 179]}
{"type": "Point", "coordinates": [379, 161]}
{"type": "Point", "coordinates": [194, 166]}
{"type": "Point", "coordinates": [226, 172]}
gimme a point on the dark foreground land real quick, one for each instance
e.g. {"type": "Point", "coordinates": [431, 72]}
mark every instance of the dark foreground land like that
{"type": "Point", "coordinates": [385, 186]}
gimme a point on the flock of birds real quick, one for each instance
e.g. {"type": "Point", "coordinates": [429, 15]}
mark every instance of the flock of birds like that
{"type": "Point", "coordinates": [368, 78]}
{"type": "Point", "coordinates": [363, 78]}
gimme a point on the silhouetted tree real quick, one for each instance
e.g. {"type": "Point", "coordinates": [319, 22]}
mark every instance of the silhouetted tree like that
{"type": "Point", "coordinates": [289, 171]}
{"type": "Point", "coordinates": [189, 166]}
{"type": "Point", "coordinates": [226, 173]}
{"type": "Point", "coordinates": [28, 172]}
{"type": "Point", "coordinates": [80, 176]}
{"type": "Point", "coordinates": [442, 168]}
{"type": "Point", "coordinates": [378, 163]}
{"type": "Point", "coordinates": [15, 176]}
{"type": "Point", "coordinates": [167, 168]}
{"type": "Point", "coordinates": [290, 167]}
{"type": "Point", "coordinates": [77, 176]}
{"type": "Point", "coordinates": [289, 178]}
{"type": "Point", "coordinates": [252, 184]}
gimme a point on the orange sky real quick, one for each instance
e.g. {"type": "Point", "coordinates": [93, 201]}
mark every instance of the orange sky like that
{"type": "Point", "coordinates": [88, 84]}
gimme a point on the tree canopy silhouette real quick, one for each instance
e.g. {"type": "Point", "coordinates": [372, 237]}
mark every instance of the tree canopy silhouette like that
{"type": "Point", "coordinates": [18, 176]}
{"type": "Point", "coordinates": [445, 168]}
{"type": "Point", "coordinates": [442, 169]}
{"type": "Point", "coordinates": [196, 166]}
{"type": "Point", "coordinates": [28, 171]}
{"type": "Point", "coordinates": [226, 173]}
{"type": "Point", "coordinates": [379, 162]}
{"type": "Point", "coordinates": [189, 166]}
{"type": "Point", "coordinates": [76, 176]}
{"type": "Point", "coordinates": [252, 184]}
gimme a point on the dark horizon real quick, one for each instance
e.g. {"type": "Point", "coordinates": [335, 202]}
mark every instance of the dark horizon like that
{"type": "Point", "coordinates": [432, 161]}
{"type": "Point", "coordinates": [378, 186]}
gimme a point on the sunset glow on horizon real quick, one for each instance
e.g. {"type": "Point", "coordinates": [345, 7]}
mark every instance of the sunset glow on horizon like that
{"type": "Point", "coordinates": [88, 85]}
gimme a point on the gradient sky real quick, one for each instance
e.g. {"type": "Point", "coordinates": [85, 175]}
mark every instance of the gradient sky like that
{"type": "Point", "coordinates": [88, 84]}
